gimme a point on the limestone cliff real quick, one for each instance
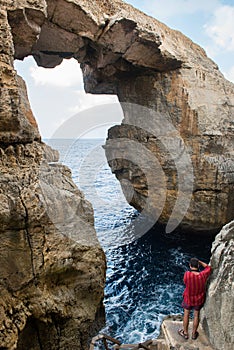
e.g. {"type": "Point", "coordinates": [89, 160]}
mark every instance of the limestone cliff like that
{"type": "Point", "coordinates": [187, 123]}
{"type": "Point", "coordinates": [52, 268]}
{"type": "Point", "coordinates": [218, 313]}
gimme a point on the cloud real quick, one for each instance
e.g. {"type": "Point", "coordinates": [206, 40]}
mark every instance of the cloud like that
{"type": "Point", "coordinates": [86, 101]}
{"type": "Point", "coordinates": [67, 74]}
{"type": "Point", "coordinates": [220, 28]}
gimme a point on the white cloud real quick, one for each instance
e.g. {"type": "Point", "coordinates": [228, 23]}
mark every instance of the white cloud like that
{"type": "Point", "coordinates": [86, 101]}
{"type": "Point", "coordinates": [67, 74]}
{"type": "Point", "coordinates": [220, 28]}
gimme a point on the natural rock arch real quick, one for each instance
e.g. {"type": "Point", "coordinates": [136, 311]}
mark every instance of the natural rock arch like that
{"type": "Point", "coordinates": [121, 51]}
{"type": "Point", "coordinates": [125, 52]}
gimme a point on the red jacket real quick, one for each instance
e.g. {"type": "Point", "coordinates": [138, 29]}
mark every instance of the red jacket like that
{"type": "Point", "coordinates": [195, 287]}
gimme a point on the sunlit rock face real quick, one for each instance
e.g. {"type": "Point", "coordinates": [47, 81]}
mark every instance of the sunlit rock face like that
{"type": "Point", "coordinates": [52, 268]}
{"type": "Point", "coordinates": [178, 116]}
{"type": "Point", "coordinates": [123, 51]}
{"type": "Point", "coordinates": [218, 312]}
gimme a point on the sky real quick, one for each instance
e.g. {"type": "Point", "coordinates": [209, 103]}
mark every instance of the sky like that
{"type": "Point", "coordinates": [57, 94]}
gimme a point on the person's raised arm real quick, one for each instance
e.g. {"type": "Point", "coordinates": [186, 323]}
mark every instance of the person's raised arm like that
{"type": "Point", "coordinates": [206, 267]}
{"type": "Point", "coordinates": [202, 263]}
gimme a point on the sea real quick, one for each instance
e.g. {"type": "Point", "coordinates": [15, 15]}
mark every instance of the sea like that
{"type": "Point", "coordinates": [144, 279]}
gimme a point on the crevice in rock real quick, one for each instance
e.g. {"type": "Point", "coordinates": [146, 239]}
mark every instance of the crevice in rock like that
{"type": "Point", "coordinates": [215, 190]}
{"type": "Point", "coordinates": [38, 337]}
{"type": "Point", "coordinates": [28, 234]}
{"type": "Point", "coordinates": [5, 145]}
{"type": "Point", "coordinates": [58, 331]}
{"type": "Point", "coordinates": [103, 28]}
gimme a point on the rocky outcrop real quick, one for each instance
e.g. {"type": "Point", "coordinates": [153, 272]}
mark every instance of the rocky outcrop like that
{"type": "Point", "coordinates": [145, 63]}
{"type": "Point", "coordinates": [187, 123]}
{"type": "Point", "coordinates": [218, 313]}
{"type": "Point", "coordinates": [187, 128]}
{"type": "Point", "coordinates": [52, 268]}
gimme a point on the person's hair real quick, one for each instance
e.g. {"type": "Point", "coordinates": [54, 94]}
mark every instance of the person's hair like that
{"type": "Point", "coordinates": [194, 263]}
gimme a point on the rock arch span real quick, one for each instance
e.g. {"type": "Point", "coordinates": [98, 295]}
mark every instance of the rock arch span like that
{"type": "Point", "coordinates": [125, 52]}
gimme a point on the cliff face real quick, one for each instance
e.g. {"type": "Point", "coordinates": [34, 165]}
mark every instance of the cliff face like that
{"type": "Point", "coordinates": [52, 268]}
{"type": "Point", "coordinates": [218, 313]}
{"type": "Point", "coordinates": [186, 125]}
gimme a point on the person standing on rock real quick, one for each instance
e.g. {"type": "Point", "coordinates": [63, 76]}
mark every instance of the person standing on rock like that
{"type": "Point", "coordinates": [194, 295]}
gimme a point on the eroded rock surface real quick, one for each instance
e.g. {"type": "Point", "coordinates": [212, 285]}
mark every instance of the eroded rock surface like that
{"type": "Point", "coordinates": [218, 314]}
{"type": "Point", "coordinates": [145, 63]}
{"type": "Point", "coordinates": [52, 268]}
{"type": "Point", "coordinates": [189, 111]}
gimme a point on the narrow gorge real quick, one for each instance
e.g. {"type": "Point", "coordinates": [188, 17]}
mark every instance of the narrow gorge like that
{"type": "Point", "coordinates": [178, 109]}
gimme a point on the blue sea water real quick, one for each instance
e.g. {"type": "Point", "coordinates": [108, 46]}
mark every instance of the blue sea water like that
{"type": "Point", "coordinates": [144, 272]}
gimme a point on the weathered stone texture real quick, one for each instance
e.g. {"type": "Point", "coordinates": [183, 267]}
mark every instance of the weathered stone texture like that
{"type": "Point", "coordinates": [204, 133]}
{"type": "Point", "coordinates": [52, 267]}
{"type": "Point", "coordinates": [17, 123]}
{"type": "Point", "coordinates": [218, 314]}
{"type": "Point", "coordinates": [123, 51]}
